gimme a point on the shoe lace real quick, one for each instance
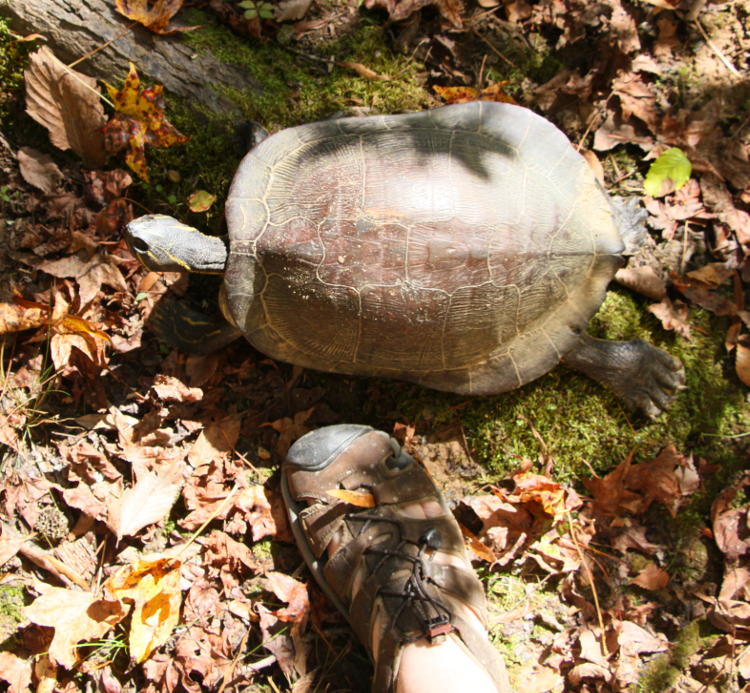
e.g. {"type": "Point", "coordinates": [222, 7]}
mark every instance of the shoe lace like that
{"type": "Point", "coordinates": [432, 614]}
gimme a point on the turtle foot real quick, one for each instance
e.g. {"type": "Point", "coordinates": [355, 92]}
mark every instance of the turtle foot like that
{"type": "Point", "coordinates": [641, 375]}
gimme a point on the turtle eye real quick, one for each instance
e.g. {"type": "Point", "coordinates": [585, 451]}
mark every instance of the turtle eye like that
{"type": "Point", "coordinates": [139, 244]}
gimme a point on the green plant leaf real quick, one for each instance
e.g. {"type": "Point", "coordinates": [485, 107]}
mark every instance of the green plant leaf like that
{"type": "Point", "coordinates": [673, 166]}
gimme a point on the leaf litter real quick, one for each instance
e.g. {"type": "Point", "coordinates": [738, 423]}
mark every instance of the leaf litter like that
{"type": "Point", "coordinates": [177, 547]}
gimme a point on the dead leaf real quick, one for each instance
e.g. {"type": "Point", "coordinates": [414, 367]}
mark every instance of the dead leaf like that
{"type": "Point", "coordinates": [147, 502]}
{"type": "Point", "coordinates": [76, 616]}
{"type": "Point", "coordinates": [364, 71]}
{"type": "Point", "coordinates": [171, 389]}
{"type": "Point", "coordinates": [255, 508]}
{"type": "Point", "coordinates": [291, 591]}
{"type": "Point", "coordinates": [644, 280]}
{"type": "Point", "coordinates": [362, 499]}
{"type": "Point", "coordinates": [152, 583]}
{"type": "Point", "coordinates": [652, 577]}
{"type": "Point", "coordinates": [291, 10]}
{"type": "Point", "coordinates": [155, 18]}
{"type": "Point", "coordinates": [140, 120]}
{"type": "Point", "coordinates": [673, 315]}
{"type": "Point", "coordinates": [16, 672]}
{"type": "Point", "coordinates": [742, 359]}
{"type": "Point", "coordinates": [39, 169]}
{"type": "Point", "coordinates": [290, 430]}
{"type": "Point", "coordinates": [68, 104]}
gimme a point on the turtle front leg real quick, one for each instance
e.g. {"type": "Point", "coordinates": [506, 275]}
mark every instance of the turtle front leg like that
{"type": "Point", "coordinates": [641, 375]}
{"type": "Point", "coordinates": [189, 330]}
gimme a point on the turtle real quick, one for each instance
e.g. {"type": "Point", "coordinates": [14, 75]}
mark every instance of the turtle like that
{"type": "Point", "coordinates": [463, 248]}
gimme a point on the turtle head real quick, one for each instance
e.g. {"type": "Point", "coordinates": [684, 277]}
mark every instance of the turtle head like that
{"type": "Point", "coordinates": [163, 244]}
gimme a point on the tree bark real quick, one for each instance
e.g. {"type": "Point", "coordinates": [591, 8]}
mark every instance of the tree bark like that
{"type": "Point", "coordinates": [74, 28]}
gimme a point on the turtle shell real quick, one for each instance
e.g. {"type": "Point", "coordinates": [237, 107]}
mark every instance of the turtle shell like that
{"type": "Point", "coordinates": [462, 248]}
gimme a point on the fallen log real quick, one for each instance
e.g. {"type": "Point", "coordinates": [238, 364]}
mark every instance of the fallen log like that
{"type": "Point", "coordinates": [77, 28]}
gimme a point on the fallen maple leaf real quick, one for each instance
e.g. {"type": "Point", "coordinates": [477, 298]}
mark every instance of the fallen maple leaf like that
{"type": "Point", "coordinates": [146, 502]}
{"type": "Point", "coordinates": [68, 104]}
{"type": "Point", "coordinates": [152, 583]}
{"type": "Point", "coordinates": [140, 120]}
{"type": "Point", "coordinates": [155, 18]}
{"type": "Point", "coordinates": [75, 615]}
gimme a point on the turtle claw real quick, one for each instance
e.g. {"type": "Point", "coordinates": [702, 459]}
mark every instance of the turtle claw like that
{"type": "Point", "coordinates": [641, 375]}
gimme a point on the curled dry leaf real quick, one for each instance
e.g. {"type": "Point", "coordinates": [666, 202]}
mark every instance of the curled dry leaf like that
{"type": "Point", "coordinates": [152, 583]}
{"type": "Point", "coordinates": [68, 104]}
{"type": "Point", "coordinates": [76, 616]}
{"type": "Point", "coordinates": [364, 71]}
{"type": "Point", "coordinates": [291, 591]}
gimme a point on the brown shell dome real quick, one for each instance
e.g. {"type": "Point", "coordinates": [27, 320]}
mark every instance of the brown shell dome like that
{"type": "Point", "coordinates": [462, 248]}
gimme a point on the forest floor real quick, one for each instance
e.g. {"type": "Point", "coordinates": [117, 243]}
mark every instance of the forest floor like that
{"type": "Point", "coordinates": [143, 544]}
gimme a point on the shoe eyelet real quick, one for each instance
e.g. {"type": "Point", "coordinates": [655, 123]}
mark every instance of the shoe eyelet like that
{"type": "Point", "coordinates": [431, 538]}
{"type": "Point", "coordinates": [400, 461]}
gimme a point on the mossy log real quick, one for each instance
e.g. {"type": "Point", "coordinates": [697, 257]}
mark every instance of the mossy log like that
{"type": "Point", "coordinates": [75, 28]}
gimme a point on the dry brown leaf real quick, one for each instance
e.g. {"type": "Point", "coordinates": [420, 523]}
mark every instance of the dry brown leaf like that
{"type": "Point", "coordinates": [39, 169]}
{"type": "Point", "coordinates": [673, 315]}
{"type": "Point", "coordinates": [171, 389]}
{"type": "Point", "coordinates": [644, 280]}
{"type": "Point", "coordinates": [216, 439]}
{"type": "Point", "coordinates": [156, 17]}
{"type": "Point", "coordinates": [291, 591]}
{"type": "Point", "coordinates": [148, 501]}
{"type": "Point", "coordinates": [75, 615]}
{"type": "Point", "coordinates": [68, 104]}
{"type": "Point", "coordinates": [16, 672]}
{"type": "Point", "coordinates": [742, 359]}
{"type": "Point", "coordinates": [290, 430]}
{"type": "Point", "coordinates": [252, 503]}
{"type": "Point", "coordinates": [291, 10]}
{"type": "Point", "coordinates": [652, 577]}
{"type": "Point", "coordinates": [362, 499]}
{"type": "Point", "coordinates": [481, 551]}
{"type": "Point", "coordinates": [152, 583]}
{"type": "Point", "coordinates": [16, 318]}
{"type": "Point", "coordinates": [90, 275]}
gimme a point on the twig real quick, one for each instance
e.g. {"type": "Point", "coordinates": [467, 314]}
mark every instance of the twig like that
{"type": "Point", "coordinates": [716, 50]}
{"type": "Point", "coordinates": [493, 49]}
{"type": "Point", "coordinates": [590, 579]}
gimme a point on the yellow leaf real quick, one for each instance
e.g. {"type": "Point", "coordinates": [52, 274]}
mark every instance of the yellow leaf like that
{"type": "Point", "coordinates": [456, 94]}
{"type": "Point", "coordinates": [153, 585]}
{"type": "Point", "coordinates": [155, 18]}
{"type": "Point", "coordinates": [362, 499]}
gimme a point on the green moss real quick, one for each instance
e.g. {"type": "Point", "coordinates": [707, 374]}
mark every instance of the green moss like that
{"type": "Point", "coordinates": [11, 610]}
{"type": "Point", "coordinates": [291, 89]}
{"type": "Point", "coordinates": [583, 425]}
{"type": "Point", "coordinates": [664, 671]}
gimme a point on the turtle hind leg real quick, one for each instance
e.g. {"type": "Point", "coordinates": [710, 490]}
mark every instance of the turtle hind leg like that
{"type": "Point", "coordinates": [641, 375]}
{"type": "Point", "coordinates": [189, 330]}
